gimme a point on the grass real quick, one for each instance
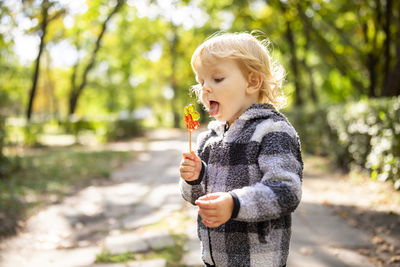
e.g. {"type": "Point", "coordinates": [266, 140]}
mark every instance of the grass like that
{"type": "Point", "coordinates": [49, 176]}
{"type": "Point", "coordinates": [173, 254]}
{"type": "Point", "coordinates": [176, 224]}
{"type": "Point", "coordinates": [106, 257]}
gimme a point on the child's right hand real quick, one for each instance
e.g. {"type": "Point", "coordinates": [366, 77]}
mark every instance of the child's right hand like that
{"type": "Point", "coordinates": [190, 167]}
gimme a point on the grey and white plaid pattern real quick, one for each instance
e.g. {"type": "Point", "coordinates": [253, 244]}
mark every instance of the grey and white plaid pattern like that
{"type": "Point", "coordinates": [258, 160]}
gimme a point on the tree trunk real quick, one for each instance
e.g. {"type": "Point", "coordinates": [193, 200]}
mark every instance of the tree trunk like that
{"type": "Point", "coordinates": [35, 78]}
{"type": "Point", "coordinates": [173, 80]}
{"type": "Point", "coordinates": [374, 52]}
{"type": "Point", "coordinates": [370, 60]}
{"type": "Point", "coordinates": [388, 40]}
{"type": "Point", "coordinates": [371, 66]}
{"type": "Point", "coordinates": [294, 64]}
{"type": "Point", "coordinates": [293, 57]}
{"type": "Point", "coordinates": [76, 90]}
{"type": "Point", "coordinates": [341, 63]}
{"type": "Point", "coordinates": [306, 32]}
{"type": "Point", "coordinates": [393, 84]}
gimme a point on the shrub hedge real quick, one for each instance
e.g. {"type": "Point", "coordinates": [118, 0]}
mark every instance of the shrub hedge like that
{"type": "Point", "coordinates": [106, 130]}
{"type": "Point", "coordinates": [370, 131]}
{"type": "Point", "coordinates": [7, 164]}
{"type": "Point", "coordinates": [109, 130]}
{"type": "Point", "coordinates": [364, 133]}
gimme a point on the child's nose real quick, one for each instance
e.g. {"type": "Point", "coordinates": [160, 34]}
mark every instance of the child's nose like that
{"type": "Point", "coordinates": [206, 88]}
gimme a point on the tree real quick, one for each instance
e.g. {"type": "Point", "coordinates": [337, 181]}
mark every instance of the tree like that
{"type": "Point", "coordinates": [369, 37]}
{"type": "Point", "coordinates": [392, 81]}
{"type": "Point", "coordinates": [45, 18]}
{"type": "Point", "coordinates": [76, 89]}
{"type": "Point", "coordinates": [294, 62]}
{"type": "Point", "coordinates": [332, 50]}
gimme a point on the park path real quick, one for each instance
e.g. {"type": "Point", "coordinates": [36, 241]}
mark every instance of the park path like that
{"type": "Point", "coordinates": [141, 210]}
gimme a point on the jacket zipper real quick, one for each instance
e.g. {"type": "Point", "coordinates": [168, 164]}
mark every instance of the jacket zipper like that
{"type": "Point", "coordinates": [226, 128]}
{"type": "Point", "coordinates": [208, 230]}
{"type": "Point", "coordinates": [209, 242]}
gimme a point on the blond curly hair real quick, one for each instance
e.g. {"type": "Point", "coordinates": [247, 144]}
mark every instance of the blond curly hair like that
{"type": "Point", "coordinates": [252, 55]}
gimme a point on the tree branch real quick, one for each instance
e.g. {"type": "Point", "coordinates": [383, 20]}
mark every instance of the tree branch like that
{"type": "Point", "coordinates": [324, 45]}
{"type": "Point", "coordinates": [76, 91]}
{"type": "Point", "coordinates": [35, 78]}
{"type": "Point", "coordinates": [341, 34]}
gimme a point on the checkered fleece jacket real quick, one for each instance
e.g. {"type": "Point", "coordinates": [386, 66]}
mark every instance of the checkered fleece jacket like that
{"type": "Point", "coordinates": [258, 161]}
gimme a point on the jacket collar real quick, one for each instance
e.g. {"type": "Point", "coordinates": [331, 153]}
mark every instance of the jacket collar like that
{"type": "Point", "coordinates": [255, 111]}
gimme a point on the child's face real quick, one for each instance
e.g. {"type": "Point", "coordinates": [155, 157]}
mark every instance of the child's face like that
{"type": "Point", "coordinates": [224, 89]}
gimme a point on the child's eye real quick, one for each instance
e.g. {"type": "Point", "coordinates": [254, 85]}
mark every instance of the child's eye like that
{"type": "Point", "coordinates": [218, 80]}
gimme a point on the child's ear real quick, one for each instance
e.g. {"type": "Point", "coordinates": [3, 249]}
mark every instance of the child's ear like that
{"type": "Point", "coordinates": [255, 81]}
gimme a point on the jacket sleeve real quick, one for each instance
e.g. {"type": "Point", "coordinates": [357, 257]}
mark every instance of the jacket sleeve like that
{"type": "Point", "coordinates": [191, 191]}
{"type": "Point", "coordinates": [278, 193]}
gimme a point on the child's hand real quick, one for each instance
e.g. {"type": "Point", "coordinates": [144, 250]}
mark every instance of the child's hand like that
{"type": "Point", "coordinates": [215, 209]}
{"type": "Point", "coordinates": [190, 167]}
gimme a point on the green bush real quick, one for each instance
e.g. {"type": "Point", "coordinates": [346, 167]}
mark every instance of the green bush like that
{"type": "Point", "coordinates": [122, 129]}
{"type": "Point", "coordinates": [107, 130]}
{"type": "Point", "coordinates": [316, 135]}
{"type": "Point", "coordinates": [32, 132]}
{"type": "Point", "coordinates": [370, 131]}
{"type": "Point", "coordinates": [2, 134]}
{"type": "Point", "coordinates": [76, 127]}
{"type": "Point", "coordinates": [364, 133]}
{"type": "Point", "coordinates": [312, 127]}
{"type": "Point", "coordinates": [3, 159]}
{"type": "Point", "coordinates": [7, 164]}
{"type": "Point", "coordinates": [19, 131]}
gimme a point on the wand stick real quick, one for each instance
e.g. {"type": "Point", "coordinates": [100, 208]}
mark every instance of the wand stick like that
{"type": "Point", "coordinates": [190, 141]}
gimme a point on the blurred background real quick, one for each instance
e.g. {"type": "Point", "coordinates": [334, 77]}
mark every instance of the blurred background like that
{"type": "Point", "coordinates": [79, 73]}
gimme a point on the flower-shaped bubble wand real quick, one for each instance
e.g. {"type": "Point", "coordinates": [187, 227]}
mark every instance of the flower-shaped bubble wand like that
{"type": "Point", "coordinates": [191, 121]}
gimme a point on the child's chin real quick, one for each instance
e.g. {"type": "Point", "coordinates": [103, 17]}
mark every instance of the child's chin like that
{"type": "Point", "coordinates": [218, 118]}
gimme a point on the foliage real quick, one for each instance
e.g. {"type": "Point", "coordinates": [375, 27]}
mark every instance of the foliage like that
{"type": "Point", "coordinates": [175, 224]}
{"type": "Point", "coordinates": [316, 135]}
{"type": "Point", "coordinates": [332, 50]}
{"type": "Point", "coordinates": [3, 160]}
{"type": "Point", "coordinates": [107, 129]}
{"type": "Point", "coordinates": [172, 254]}
{"type": "Point", "coordinates": [370, 131]}
{"type": "Point", "coordinates": [364, 134]}
{"type": "Point", "coordinates": [106, 257]}
{"type": "Point", "coordinates": [8, 165]}
{"type": "Point", "coordinates": [122, 129]}
{"type": "Point", "coordinates": [32, 132]}
{"type": "Point", "coordinates": [311, 125]}
{"type": "Point", "coordinates": [50, 175]}
{"type": "Point", "coordinates": [139, 56]}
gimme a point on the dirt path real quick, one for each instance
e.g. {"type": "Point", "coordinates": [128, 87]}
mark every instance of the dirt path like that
{"type": "Point", "coordinates": [328, 230]}
{"type": "Point", "coordinates": [349, 219]}
{"type": "Point", "coordinates": [141, 210]}
{"type": "Point", "coordinates": [72, 233]}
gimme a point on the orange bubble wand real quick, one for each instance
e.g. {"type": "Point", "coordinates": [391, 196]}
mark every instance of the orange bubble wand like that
{"type": "Point", "coordinates": [191, 120]}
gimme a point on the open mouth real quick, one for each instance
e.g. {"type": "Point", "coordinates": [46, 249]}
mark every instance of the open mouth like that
{"type": "Point", "coordinates": [214, 108]}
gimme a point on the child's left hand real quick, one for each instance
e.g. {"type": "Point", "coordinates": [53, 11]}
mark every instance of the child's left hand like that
{"type": "Point", "coordinates": [215, 209]}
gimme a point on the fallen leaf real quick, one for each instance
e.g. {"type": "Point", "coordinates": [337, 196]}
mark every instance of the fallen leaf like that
{"type": "Point", "coordinates": [326, 203]}
{"type": "Point", "coordinates": [306, 250]}
{"type": "Point", "coordinates": [344, 214]}
{"type": "Point", "coordinates": [395, 259]}
{"type": "Point", "coordinates": [376, 240]}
